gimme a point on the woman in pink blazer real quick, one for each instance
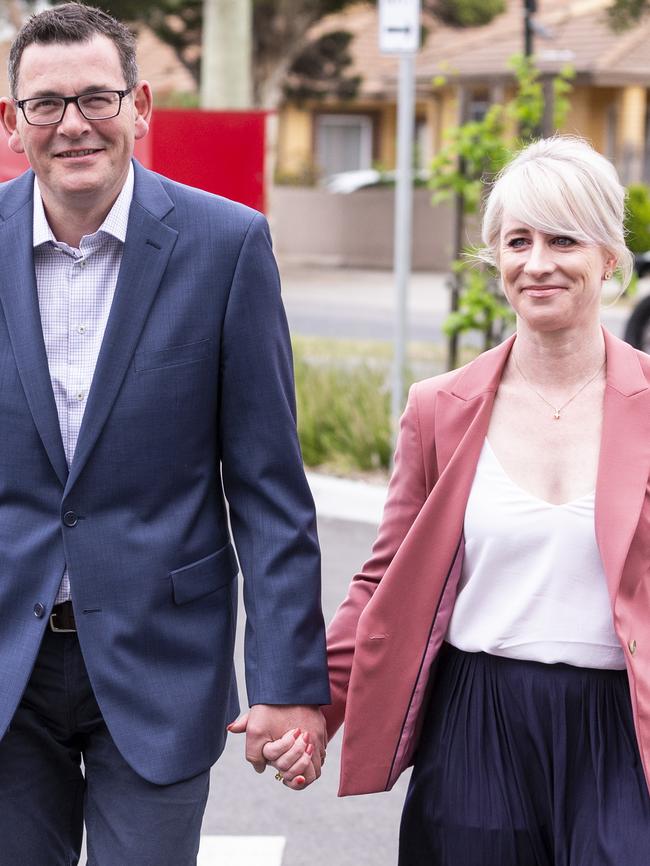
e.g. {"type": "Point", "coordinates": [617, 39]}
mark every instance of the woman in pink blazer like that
{"type": "Point", "coordinates": [498, 637]}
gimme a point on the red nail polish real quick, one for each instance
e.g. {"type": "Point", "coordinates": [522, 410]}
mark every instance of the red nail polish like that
{"type": "Point", "coordinates": [300, 780]}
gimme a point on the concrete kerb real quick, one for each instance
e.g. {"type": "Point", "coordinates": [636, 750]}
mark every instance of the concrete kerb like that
{"type": "Point", "coordinates": [347, 499]}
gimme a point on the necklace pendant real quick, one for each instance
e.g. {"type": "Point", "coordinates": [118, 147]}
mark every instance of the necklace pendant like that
{"type": "Point", "coordinates": [556, 415]}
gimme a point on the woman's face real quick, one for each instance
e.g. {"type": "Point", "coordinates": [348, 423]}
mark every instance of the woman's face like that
{"type": "Point", "coordinates": [552, 282]}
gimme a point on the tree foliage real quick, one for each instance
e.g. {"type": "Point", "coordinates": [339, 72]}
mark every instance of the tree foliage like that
{"type": "Point", "coordinates": [637, 218]}
{"type": "Point", "coordinates": [321, 70]}
{"type": "Point", "coordinates": [467, 13]}
{"type": "Point", "coordinates": [473, 154]}
{"type": "Point", "coordinates": [288, 61]}
{"type": "Point", "coordinates": [625, 13]}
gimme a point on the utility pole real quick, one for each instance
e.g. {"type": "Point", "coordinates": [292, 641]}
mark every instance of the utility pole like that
{"type": "Point", "coordinates": [399, 34]}
{"type": "Point", "coordinates": [226, 74]}
{"type": "Point", "coordinates": [530, 7]}
{"type": "Point", "coordinates": [547, 127]}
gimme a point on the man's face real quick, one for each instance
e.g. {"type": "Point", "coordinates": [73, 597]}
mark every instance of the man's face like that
{"type": "Point", "coordinates": [77, 161]}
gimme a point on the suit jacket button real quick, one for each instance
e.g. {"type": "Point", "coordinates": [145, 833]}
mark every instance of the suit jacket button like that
{"type": "Point", "coordinates": [39, 609]}
{"type": "Point", "coordinates": [632, 646]}
{"type": "Point", "coordinates": [70, 518]}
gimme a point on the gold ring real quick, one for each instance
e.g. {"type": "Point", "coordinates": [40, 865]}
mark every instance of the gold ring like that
{"type": "Point", "coordinates": [279, 776]}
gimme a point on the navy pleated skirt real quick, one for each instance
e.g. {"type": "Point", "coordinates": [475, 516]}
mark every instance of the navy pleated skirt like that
{"type": "Point", "coordinates": [526, 764]}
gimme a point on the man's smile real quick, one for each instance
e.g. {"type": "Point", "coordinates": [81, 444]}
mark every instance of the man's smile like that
{"type": "Point", "coordinates": [80, 152]}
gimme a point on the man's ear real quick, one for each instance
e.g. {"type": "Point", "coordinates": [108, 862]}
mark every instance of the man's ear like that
{"type": "Point", "coordinates": [143, 105]}
{"type": "Point", "coordinates": [9, 118]}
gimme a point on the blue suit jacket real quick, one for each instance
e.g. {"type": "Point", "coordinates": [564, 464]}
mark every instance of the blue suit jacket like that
{"type": "Point", "coordinates": [192, 398]}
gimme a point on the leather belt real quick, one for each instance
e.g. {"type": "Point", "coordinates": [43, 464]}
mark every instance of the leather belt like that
{"type": "Point", "coordinates": [62, 618]}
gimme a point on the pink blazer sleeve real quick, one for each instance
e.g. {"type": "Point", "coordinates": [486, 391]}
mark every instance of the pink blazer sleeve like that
{"type": "Point", "coordinates": [407, 493]}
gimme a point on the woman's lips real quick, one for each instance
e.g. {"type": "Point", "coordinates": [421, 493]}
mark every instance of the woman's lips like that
{"type": "Point", "coordinates": [542, 291]}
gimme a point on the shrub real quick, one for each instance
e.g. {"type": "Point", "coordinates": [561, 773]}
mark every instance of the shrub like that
{"type": "Point", "coordinates": [343, 413]}
{"type": "Point", "coordinates": [637, 217]}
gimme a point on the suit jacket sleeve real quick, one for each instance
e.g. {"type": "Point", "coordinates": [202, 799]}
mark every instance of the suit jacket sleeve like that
{"type": "Point", "coordinates": [407, 493]}
{"type": "Point", "coordinates": [271, 508]}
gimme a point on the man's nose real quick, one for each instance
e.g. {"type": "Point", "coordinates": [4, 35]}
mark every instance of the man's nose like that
{"type": "Point", "coordinates": [73, 123]}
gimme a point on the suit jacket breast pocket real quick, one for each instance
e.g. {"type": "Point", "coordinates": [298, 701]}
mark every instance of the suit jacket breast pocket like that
{"type": "Point", "coordinates": [204, 576]}
{"type": "Point", "coordinates": [173, 356]}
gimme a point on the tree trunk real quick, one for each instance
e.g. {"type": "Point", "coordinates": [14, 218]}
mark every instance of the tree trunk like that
{"type": "Point", "coordinates": [226, 65]}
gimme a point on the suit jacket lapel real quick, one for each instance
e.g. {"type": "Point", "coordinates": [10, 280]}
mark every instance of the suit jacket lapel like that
{"type": "Point", "coordinates": [463, 413]}
{"type": "Point", "coordinates": [149, 243]}
{"type": "Point", "coordinates": [19, 300]}
{"type": "Point", "coordinates": [624, 464]}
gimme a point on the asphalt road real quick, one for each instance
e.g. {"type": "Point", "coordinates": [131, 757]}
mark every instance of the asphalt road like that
{"type": "Point", "coordinates": [360, 304]}
{"type": "Point", "coordinates": [320, 829]}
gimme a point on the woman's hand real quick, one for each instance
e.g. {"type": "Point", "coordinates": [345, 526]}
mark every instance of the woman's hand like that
{"type": "Point", "coordinates": [291, 756]}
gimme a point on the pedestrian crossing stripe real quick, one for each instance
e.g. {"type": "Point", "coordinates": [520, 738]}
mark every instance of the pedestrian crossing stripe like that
{"type": "Point", "coordinates": [241, 851]}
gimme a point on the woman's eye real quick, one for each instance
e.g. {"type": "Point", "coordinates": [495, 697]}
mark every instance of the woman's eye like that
{"type": "Point", "coordinates": [563, 241]}
{"type": "Point", "coordinates": [515, 243]}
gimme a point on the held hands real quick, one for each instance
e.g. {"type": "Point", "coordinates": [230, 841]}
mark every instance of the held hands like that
{"type": "Point", "coordinates": [290, 738]}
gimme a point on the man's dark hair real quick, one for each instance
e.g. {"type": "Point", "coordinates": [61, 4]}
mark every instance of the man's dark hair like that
{"type": "Point", "coordinates": [73, 22]}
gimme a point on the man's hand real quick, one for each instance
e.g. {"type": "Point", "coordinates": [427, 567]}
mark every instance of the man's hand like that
{"type": "Point", "coordinates": [266, 723]}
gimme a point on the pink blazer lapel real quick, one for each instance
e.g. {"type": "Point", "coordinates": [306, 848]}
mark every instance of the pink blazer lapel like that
{"type": "Point", "coordinates": [463, 412]}
{"type": "Point", "coordinates": [624, 463]}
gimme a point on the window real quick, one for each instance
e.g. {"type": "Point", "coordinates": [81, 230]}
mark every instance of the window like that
{"type": "Point", "coordinates": [343, 143]}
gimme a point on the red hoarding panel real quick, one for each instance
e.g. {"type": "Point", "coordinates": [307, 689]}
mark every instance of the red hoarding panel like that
{"type": "Point", "coordinates": [11, 164]}
{"type": "Point", "coordinates": [219, 151]}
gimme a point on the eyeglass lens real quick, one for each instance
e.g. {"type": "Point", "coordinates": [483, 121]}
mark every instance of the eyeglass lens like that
{"type": "Point", "coordinates": [93, 106]}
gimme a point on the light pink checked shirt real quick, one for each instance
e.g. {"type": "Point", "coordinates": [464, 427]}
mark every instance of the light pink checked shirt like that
{"type": "Point", "coordinates": [75, 292]}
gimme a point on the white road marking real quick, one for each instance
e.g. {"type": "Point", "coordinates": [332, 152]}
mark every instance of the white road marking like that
{"type": "Point", "coordinates": [241, 851]}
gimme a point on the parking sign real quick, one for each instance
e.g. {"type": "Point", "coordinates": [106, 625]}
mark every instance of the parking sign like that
{"type": "Point", "coordinates": [399, 26]}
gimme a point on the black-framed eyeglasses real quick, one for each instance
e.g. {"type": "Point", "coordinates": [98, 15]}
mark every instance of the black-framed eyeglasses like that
{"type": "Point", "coordinates": [48, 110]}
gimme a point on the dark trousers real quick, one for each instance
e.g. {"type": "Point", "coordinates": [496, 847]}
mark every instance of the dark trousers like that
{"type": "Point", "coordinates": [526, 764]}
{"type": "Point", "coordinates": [45, 797]}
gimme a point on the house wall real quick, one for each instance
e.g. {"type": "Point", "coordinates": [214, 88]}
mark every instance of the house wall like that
{"type": "Point", "coordinates": [295, 142]}
{"type": "Point", "coordinates": [588, 115]}
{"type": "Point", "coordinates": [356, 230]}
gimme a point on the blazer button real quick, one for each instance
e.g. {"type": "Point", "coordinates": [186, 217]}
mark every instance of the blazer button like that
{"type": "Point", "coordinates": [632, 646]}
{"type": "Point", "coordinates": [39, 609]}
{"type": "Point", "coordinates": [70, 518]}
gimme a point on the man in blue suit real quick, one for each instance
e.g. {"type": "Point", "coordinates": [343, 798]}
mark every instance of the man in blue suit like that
{"type": "Point", "coordinates": [145, 380]}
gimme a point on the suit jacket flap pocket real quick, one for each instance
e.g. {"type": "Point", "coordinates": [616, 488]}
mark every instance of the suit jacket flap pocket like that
{"type": "Point", "coordinates": [204, 576]}
{"type": "Point", "coordinates": [173, 356]}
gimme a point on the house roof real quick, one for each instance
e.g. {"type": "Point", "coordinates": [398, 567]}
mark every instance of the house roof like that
{"type": "Point", "coordinates": [573, 31]}
{"type": "Point", "coordinates": [576, 32]}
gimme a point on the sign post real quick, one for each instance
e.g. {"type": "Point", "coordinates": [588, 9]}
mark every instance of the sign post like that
{"type": "Point", "coordinates": [399, 33]}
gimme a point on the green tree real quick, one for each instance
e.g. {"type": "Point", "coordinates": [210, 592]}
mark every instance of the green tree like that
{"type": "Point", "coordinates": [474, 152]}
{"type": "Point", "coordinates": [625, 13]}
{"type": "Point", "coordinates": [285, 53]}
{"type": "Point", "coordinates": [637, 218]}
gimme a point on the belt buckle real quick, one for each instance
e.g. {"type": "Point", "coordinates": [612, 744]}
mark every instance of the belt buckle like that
{"type": "Point", "coordinates": [58, 630]}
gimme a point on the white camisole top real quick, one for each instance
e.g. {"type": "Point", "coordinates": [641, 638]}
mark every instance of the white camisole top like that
{"type": "Point", "coordinates": [532, 585]}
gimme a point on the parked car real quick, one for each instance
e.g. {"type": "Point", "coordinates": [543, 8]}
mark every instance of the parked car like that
{"type": "Point", "coordinates": [351, 181]}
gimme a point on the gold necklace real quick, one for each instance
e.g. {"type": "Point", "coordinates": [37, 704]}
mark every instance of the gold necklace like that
{"type": "Point", "coordinates": [556, 409]}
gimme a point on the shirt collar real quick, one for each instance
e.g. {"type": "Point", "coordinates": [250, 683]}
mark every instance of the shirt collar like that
{"type": "Point", "coordinates": [115, 223]}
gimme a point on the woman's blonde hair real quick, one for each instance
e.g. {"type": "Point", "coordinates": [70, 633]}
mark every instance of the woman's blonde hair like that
{"type": "Point", "coordinates": [561, 185]}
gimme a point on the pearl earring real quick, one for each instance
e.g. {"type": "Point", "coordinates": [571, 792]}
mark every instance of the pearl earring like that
{"type": "Point", "coordinates": [608, 275]}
